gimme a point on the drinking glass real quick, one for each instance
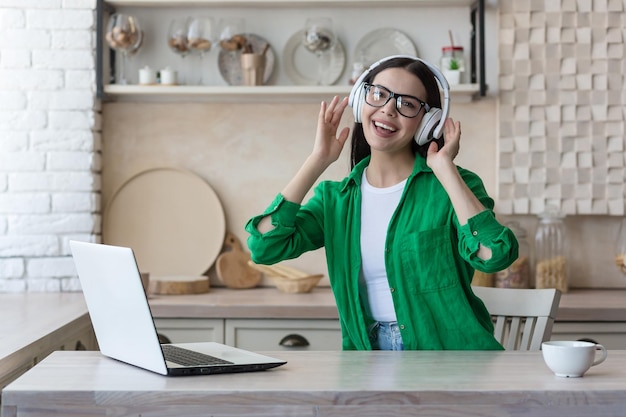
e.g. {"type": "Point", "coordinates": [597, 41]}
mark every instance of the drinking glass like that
{"type": "Point", "coordinates": [232, 34]}
{"type": "Point", "coordinates": [200, 38]}
{"type": "Point", "coordinates": [319, 38]}
{"type": "Point", "coordinates": [177, 37]}
{"type": "Point", "coordinates": [124, 35]}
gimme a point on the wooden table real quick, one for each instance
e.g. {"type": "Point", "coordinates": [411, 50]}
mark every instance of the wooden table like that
{"type": "Point", "coordinates": [364, 384]}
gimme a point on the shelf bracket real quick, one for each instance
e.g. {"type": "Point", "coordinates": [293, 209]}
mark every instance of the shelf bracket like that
{"type": "Point", "coordinates": [477, 19]}
{"type": "Point", "coordinates": [101, 9]}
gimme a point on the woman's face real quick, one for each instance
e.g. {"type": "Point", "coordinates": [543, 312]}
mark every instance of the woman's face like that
{"type": "Point", "coordinates": [385, 129]}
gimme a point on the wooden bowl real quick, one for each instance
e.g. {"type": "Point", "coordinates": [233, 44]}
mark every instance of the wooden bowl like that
{"type": "Point", "coordinates": [296, 285]}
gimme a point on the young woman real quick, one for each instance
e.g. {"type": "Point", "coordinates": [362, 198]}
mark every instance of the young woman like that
{"type": "Point", "coordinates": [403, 232]}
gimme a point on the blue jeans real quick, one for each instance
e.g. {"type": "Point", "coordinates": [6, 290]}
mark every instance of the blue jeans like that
{"type": "Point", "coordinates": [385, 335]}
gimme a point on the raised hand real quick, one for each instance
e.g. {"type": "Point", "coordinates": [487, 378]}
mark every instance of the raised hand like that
{"type": "Point", "coordinates": [328, 145]}
{"type": "Point", "coordinates": [450, 149]}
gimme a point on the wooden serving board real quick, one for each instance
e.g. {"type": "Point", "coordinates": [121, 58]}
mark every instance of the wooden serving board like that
{"type": "Point", "coordinates": [177, 285]}
{"type": "Point", "coordinates": [232, 266]}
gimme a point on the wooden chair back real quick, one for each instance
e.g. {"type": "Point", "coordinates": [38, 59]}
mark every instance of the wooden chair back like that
{"type": "Point", "coordinates": [523, 318]}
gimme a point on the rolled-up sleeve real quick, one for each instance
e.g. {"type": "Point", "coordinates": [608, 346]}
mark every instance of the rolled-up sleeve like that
{"type": "Point", "coordinates": [281, 212]}
{"type": "Point", "coordinates": [294, 232]}
{"type": "Point", "coordinates": [484, 229]}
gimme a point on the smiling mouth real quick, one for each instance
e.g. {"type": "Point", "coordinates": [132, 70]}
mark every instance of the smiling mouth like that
{"type": "Point", "coordinates": [384, 126]}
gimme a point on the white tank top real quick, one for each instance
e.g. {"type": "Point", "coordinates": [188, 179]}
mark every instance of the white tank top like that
{"type": "Point", "coordinates": [377, 207]}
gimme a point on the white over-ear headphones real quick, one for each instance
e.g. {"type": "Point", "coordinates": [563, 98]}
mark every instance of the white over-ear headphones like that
{"type": "Point", "coordinates": [432, 123]}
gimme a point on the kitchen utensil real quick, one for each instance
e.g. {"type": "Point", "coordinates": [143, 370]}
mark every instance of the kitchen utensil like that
{"type": "Point", "coordinates": [253, 67]}
{"type": "Point", "coordinates": [301, 66]}
{"type": "Point", "coordinates": [171, 218]}
{"type": "Point", "coordinates": [232, 267]}
{"type": "Point", "coordinates": [178, 285]}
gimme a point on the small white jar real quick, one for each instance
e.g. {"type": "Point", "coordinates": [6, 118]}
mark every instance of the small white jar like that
{"type": "Point", "coordinates": [147, 76]}
{"type": "Point", "coordinates": [168, 76]}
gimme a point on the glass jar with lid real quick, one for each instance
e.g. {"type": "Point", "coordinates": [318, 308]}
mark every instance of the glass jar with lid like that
{"type": "Point", "coordinates": [551, 263]}
{"type": "Point", "coordinates": [517, 275]}
{"type": "Point", "coordinates": [452, 63]}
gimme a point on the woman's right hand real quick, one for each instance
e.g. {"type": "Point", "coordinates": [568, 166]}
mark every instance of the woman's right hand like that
{"type": "Point", "coordinates": [328, 145]}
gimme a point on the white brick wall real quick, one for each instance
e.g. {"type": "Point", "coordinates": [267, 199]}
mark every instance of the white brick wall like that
{"type": "Point", "coordinates": [49, 141]}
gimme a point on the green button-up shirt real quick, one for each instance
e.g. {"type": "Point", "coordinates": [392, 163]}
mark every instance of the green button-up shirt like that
{"type": "Point", "coordinates": [430, 258]}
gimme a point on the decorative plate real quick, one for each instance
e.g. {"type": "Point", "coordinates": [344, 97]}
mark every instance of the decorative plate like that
{"type": "Point", "coordinates": [301, 66]}
{"type": "Point", "coordinates": [229, 62]}
{"type": "Point", "coordinates": [381, 43]}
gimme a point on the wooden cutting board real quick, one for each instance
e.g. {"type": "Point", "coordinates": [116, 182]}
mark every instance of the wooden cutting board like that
{"type": "Point", "coordinates": [232, 266]}
{"type": "Point", "coordinates": [177, 285]}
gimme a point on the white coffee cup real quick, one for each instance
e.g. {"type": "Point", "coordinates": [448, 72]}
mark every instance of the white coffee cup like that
{"type": "Point", "coordinates": [571, 358]}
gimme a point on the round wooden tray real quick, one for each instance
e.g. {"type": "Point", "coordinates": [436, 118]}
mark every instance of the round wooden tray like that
{"type": "Point", "coordinates": [171, 218]}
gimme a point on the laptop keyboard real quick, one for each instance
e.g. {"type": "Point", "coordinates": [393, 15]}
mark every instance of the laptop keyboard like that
{"type": "Point", "coordinates": [188, 357]}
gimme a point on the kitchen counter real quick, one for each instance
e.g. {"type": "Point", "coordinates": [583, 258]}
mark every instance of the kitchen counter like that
{"type": "Point", "coordinates": [576, 305]}
{"type": "Point", "coordinates": [593, 305]}
{"type": "Point", "coordinates": [30, 317]}
{"type": "Point", "coordinates": [262, 303]}
{"type": "Point", "coordinates": [354, 383]}
{"type": "Point", "coordinates": [35, 324]}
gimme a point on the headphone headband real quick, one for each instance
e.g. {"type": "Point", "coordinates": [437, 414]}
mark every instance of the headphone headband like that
{"type": "Point", "coordinates": [357, 92]}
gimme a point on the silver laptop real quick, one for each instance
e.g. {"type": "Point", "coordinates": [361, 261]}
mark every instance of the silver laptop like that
{"type": "Point", "coordinates": [123, 324]}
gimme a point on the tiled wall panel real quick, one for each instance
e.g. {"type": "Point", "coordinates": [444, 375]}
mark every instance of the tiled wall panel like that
{"type": "Point", "coordinates": [562, 106]}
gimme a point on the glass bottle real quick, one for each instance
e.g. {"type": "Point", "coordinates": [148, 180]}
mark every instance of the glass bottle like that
{"type": "Point", "coordinates": [620, 247]}
{"type": "Point", "coordinates": [452, 63]}
{"type": "Point", "coordinates": [452, 58]}
{"type": "Point", "coordinates": [517, 275]}
{"type": "Point", "coordinates": [551, 267]}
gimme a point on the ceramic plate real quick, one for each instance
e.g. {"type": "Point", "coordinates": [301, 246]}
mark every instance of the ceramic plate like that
{"type": "Point", "coordinates": [229, 62]}
{"type": "Point", "coordinates": [381, 43]}
{"type": "Point", "coordinates": [171, 218]}
{"type": "Point", "coordinates": [301, 66]}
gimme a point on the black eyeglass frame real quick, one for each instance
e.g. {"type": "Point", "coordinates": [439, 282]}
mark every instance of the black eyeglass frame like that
{"type": "Point", "coordinates": [398, 98]}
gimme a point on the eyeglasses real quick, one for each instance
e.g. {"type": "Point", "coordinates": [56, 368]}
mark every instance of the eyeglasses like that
{"type": "Point", "coordinates": [407, 106]}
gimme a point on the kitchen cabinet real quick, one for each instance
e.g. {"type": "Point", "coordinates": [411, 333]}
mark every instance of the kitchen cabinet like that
{"type": "Point", "coordinates": [356, 10]}
{"type": "Point", "coordinates": [281, 334]}
{"type": "Point", "coordinates": [185, 330]}
{"type": "Point", "coordinates": [263, 317]}
{"type": "Point", "coordinates": [254, 334]}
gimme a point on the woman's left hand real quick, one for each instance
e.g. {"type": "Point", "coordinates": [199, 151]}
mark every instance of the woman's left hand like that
{"type": "Point", "coordinates": [450, 148]}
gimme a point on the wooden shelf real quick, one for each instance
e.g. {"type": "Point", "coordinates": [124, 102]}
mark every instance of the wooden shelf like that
{"type": "Point", "coordinates": [277, 93]}
{"type": "Point", "coordinates": [290, 3]}
{"type": "Point", "coordinates": [274, 93]}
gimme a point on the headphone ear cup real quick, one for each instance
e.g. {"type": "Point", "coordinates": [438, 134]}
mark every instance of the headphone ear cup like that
{"type": "Point", "coordinates": [357, 96]}
{"type": "Point", "coordinates": [428, 125]}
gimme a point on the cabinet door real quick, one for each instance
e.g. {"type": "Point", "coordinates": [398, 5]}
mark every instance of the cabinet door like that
{"type": "Point", "coordinates": [271, 334]}
{"type": "Point", "coordinates": [190, 330]}
{"type": "Point", "coordinates": [610, 335]}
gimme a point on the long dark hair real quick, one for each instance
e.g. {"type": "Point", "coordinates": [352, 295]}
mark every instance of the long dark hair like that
{"type": "Point", "coordinates": [360, 148]}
